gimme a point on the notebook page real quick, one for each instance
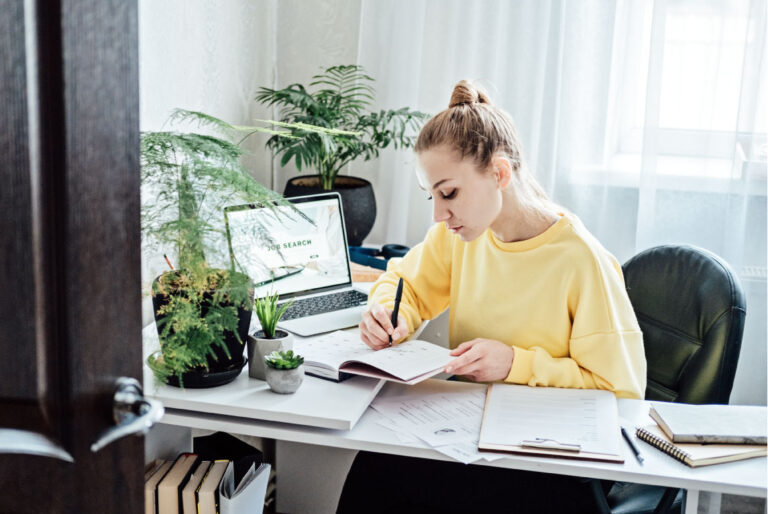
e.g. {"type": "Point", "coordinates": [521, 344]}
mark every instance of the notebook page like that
{"type": "Point", "coordinates": [406, 360]}
{"type": "Point", "coordinates": [410, 359]}
{"type": "Point", "coordinates": [569, 416]}
{"type": "Point", "coordinates": [331, 349]}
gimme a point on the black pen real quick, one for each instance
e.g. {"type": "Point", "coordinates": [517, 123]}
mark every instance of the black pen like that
{"type": "Point", "coordinates": [398, 296]}
{"type": "Point", "coordinates": [632, 445]}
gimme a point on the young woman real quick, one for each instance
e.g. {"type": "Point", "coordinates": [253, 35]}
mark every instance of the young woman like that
{"type": "Point", "coordinates": [534, 299]}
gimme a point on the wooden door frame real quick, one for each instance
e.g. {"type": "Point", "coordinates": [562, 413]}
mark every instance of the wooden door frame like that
{"type": "Point", "coordinates": [69, 247]}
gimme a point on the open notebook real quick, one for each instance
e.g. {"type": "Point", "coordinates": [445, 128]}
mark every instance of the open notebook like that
{"type": "Point", "coordinates": [694, 454]}
{"type": "Point", "coordinates": [340, 355]}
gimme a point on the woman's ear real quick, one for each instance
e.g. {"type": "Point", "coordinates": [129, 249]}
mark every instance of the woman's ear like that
{"type": "Point", "coordinates": [502, 170]}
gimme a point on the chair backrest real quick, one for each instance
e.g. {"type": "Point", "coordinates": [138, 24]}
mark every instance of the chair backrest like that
{"type": "Point", "coordinates": [691, 309]}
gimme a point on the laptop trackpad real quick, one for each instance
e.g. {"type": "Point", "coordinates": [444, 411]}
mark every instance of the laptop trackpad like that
{"type": "Point", "coordinates": [326, 322]}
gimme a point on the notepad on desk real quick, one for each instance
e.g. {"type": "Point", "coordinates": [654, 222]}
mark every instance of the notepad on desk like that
{"type": "Point", "coordinates": [701, 454]}
{"type": "Point", "coordinates": [551, 422]}
{"type": "Point", "coordinates": [686, 423]}
{"type": "Point", "coordinates": [340, 355]}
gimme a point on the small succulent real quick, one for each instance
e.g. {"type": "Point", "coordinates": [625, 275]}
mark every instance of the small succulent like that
{"type": "Point", "coordinates": [283, 360]}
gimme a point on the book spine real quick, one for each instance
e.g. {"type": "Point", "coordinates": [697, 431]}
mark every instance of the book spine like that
{"type": "Point", "coordinates": [665, 446]}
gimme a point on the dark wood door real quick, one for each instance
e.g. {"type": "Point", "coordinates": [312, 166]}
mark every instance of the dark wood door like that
{"type": "Point", "coordinates": [70, 321]}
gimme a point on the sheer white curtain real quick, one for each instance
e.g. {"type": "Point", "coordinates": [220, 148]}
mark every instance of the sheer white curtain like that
{"type": "Point", "coordinates": [646, 119]}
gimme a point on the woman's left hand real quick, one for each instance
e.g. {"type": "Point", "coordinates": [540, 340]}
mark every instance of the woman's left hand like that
{"type": "Point", "coordinates": [482, 360]}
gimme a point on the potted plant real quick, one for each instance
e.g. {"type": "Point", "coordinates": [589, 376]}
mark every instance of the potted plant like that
{"type": "Point", "coordinates": [340, 100]}
{"type": "Point", "coordinates": [284, 371]}
{"type": "Point", "coordinates": [269, 338]}
{"type": "Point", "coordinates": [202, 310]}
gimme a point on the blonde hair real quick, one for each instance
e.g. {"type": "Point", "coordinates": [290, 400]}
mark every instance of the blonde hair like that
{"type": "Point", "coordinates": [479, 130]}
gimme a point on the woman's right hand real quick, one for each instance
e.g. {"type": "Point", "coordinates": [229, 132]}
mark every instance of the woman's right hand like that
{"type": "Point", "coordinates": [377, 326]}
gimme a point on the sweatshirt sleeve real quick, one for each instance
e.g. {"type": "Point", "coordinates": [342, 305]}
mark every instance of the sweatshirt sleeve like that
{"type": "Point", "coordinates": [426, 271]}
{"type": "Point", "coordinates": [606, 344]}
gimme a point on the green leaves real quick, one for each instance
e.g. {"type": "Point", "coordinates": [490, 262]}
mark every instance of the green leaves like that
{"type": "Point", "coordinates": [339, 103]}
{"type": "Point", "coordinates": [187, 179]}
{"type": "Point", "coordinates": [269, 313]}
{"type": "Point", "coordinates": [283, 360]}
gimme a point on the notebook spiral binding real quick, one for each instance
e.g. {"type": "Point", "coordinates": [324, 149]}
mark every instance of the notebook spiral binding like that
{"type": "Point", "coordinates": [661, 444]}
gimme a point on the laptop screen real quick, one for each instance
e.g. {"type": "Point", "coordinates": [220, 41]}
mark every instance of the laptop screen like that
{"type": "Point", "coordinates": [297, 256]}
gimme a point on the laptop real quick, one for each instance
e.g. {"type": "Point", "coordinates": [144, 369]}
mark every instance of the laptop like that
{"type": "Point", "coordinates": [301, 261]}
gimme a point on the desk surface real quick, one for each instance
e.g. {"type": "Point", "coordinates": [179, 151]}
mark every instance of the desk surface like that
{"type": "Point", "coordinates": [246, 407]}
{"type": "Point", "coordinates": [317, 403]}
{"type": "Point", "coordinates": [745, 477]}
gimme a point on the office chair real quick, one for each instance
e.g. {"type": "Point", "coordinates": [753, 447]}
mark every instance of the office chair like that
{"type": "Point", "coordinates": [691, 309]}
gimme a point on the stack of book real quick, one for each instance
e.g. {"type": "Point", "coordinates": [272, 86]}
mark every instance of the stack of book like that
{"type": "Point", "coordinates": [192, 485]}
{"type": "Point", "coordinates": [701, 435]}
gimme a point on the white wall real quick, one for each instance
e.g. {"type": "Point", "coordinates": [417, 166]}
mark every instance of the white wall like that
{"type": "Point", "coordinates": [208, 56]}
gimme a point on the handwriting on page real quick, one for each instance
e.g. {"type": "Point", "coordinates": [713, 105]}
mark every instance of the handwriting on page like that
{"type": "Point", "coordinates": [410, 358]}
{"type": "Point", "coordinates": [333, 348]}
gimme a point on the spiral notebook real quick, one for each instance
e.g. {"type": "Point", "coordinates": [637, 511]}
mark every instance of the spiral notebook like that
{"type": "Point", "coordinates": [699, 454]}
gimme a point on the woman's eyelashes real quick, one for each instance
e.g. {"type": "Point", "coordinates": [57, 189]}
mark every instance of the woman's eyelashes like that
{"type": "Point", "coordinates": [446, 196]}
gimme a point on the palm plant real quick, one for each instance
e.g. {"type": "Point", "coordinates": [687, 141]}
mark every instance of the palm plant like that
{"type": "Point", "coordinates": [340, 101]}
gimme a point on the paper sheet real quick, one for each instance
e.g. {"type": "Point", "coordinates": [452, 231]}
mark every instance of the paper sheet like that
{"type": "Point", "coordinates": [448, 422]}
{"type": "Point", "coordinates": [568, 416]}
{"type": "Point", "coordinates": [437, 419]}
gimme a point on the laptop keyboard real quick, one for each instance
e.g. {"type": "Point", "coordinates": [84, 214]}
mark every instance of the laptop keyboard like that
{"type": "Point", "coordinates": [325, 303]}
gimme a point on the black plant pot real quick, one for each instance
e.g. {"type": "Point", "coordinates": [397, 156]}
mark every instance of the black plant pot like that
{"type": "Point", "coordinates": [357, 199]}
{"type": "Point", "coordinates": [222, 369]}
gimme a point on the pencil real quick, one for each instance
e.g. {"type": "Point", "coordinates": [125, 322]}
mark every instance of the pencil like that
{"type": "Point", "coordinates": [168, 261]}
{"type": "Point", "coordinates": [632, 445]}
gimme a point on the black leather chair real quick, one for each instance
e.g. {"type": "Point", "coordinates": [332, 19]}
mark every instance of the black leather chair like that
{"type": "Point", "coordinates": [691, 309]}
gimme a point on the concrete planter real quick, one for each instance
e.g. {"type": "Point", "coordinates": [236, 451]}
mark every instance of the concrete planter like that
{"type": "Point", "coordinates": [285, 381]}
{"type": "Point", "coordinates": [259, 347]}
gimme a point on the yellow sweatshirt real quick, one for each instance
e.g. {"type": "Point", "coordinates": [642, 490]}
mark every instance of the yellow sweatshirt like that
{"type": "Point", "coordinates": [558, 299]}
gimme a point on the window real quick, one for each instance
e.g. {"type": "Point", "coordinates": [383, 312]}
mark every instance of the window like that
{"type": "Point", "coordinates": [692, 70]}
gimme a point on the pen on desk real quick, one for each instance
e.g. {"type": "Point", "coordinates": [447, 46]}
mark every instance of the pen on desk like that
{"type": "Point", "coordinates": [632, 445]}
{"type": "Point", "coordinates": [396, 309]}
{"type": "Point", "coordinates": [168, 261]}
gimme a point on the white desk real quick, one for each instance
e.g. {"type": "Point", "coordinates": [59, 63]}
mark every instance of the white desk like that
{"type": "Point", "coordinates": [318, 403]}
{"type": "Point", "coordinates": [246, 407]}
{"type": "Point", "coordinates": [746, 478]}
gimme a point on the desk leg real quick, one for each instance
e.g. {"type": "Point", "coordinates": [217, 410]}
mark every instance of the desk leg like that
{"type": "Point", "coordinates": [715, 503]}
{"type": "Point", "coordinates": [691, 501]}
{"type": "Point", "coordinates": [309, 477]}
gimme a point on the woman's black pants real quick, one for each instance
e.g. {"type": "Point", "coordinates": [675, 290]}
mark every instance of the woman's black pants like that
{"type": "Point", "coordinates": [380, 483]}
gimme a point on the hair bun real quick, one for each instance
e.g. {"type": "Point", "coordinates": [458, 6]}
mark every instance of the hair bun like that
{"type": "Point", "coordinates": [466, 92]}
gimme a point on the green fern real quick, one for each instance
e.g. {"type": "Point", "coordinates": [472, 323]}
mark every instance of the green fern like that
{"type": "Point", "coordinates": [187, 180]}
{"type": "Point", "coordinates": [340, 101]}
